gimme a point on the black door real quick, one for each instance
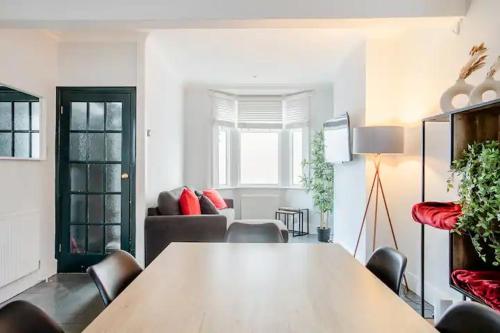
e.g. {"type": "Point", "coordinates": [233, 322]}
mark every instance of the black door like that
{"type": "Point", "coordinates": [95, 175]}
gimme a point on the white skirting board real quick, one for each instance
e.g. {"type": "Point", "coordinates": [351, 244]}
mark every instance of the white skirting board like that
{"type": "Point", "coordinates": [19, 245]}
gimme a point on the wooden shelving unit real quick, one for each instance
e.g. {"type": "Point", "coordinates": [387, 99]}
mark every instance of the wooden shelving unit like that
{"type": "Point", "coordinates": [475, 123]}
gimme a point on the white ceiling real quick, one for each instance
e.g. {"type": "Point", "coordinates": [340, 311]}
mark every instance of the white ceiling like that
{"type": "Point", "coordinates": [255, 56]}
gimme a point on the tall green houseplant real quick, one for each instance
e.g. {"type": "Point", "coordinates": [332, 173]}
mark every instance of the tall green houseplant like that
{"type": "Point", "coordinates": [318, 178]}
{"type": "Point", "coordinates": [479, 192]}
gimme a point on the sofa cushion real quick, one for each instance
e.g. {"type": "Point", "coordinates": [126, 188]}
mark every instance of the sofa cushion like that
{"type": "Point", "coordinates": [168, 204]}
{"type": "Point", "coordinates": [188, 201]}
{"type": "Point", "coordinates": [216, 198]}
{"type": "Point", "coordinates": [207, 206]}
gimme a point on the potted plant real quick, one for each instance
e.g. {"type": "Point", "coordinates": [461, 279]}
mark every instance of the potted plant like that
{"type": "Point", "coordinates": [479, 192]}
{"type": "Point", "coordinates": [318, 180]}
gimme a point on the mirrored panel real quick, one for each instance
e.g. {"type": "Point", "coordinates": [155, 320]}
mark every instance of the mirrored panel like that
{"type": "Point", "coordinates": [19, 124]}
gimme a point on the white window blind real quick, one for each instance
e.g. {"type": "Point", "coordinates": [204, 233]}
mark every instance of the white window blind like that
{"type": "Point", "coordinates": [260, 112]}
{"type": "Point", "coordinates": [296, 110]}
{"type": "Point", "coordinates": [224, 109]}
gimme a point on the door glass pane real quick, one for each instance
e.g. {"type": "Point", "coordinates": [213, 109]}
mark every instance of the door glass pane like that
{"type": "Point", "coordinates": [113, 241]}
{"type": "Point", "coordinates": [96, 146]}
{"type": "Point", "coordinates": [113, 146]}
{"type": "Point", "coordinates": [78, 116]}
{"type": "Point", "coordinates": [5, 144]}
{"type": "Point", "coordinates": [96, 239]}
{"type": "Point", "coordinates": [21, 116]}
{"type": "Point", "coordinates": [35, 116]}
{"type": "Point", "coordinates": [114, 116]}
{"type": "Point", "coordinates": [5, 116]}
{"type": "Point", "coordinates": [77, 208]}
{"type": "Point", "coordinates": [95, 208]}
{"type": "Point", "coordinates": [78, 146]}
{"type": "Point", "coordinates": [113, 208]}
{"type": "Point", "coordinates": [77, 239]}
{"type": "Point", "coordinates": [78, 175]}
{"type": "Point", "coordinates": [113, 178]}
{"type": "Point", "coordinates": [22, 144]}
{"type": "Point", "coordinates": [96, 116]}
{"type": "Point", "coordinates": [35, 145]}
{"type": "Point", "coordinates": [96, 177]}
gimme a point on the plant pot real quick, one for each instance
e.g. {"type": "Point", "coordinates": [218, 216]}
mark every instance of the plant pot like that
{"type": "Point", "coordinates": [323, 235]}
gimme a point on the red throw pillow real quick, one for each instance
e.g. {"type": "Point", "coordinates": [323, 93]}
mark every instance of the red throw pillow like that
{"type": "Point", "coordinates": [216, 198]}
{"type": "Point", "coordinates": [189, 203]}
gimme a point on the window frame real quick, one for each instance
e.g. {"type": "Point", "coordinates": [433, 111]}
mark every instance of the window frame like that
{"type": "Point", "coordinates": [215, 155]}
{"type": "Point", "coordinates": [305, 141]}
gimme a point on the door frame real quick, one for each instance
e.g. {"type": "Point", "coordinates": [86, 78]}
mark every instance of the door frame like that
{"type": "Point", "coordinates": [132, 174]}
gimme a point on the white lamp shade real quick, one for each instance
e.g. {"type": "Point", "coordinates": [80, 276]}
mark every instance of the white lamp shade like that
{"type": "Point", "coordinates": [378, 140]}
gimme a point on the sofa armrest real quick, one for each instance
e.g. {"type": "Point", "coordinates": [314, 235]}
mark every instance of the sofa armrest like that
{"type": "Point", "coordinates": [161, 230]}
{"type": "Point", "coordinates": [229, 203]}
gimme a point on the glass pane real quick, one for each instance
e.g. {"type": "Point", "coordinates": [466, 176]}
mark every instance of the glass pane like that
{"type": "Point", "coordinates": [96, 208]}
{"type": "Point", "coordinates": [113, 208]}
{"type": "Point", "coordinates": [113, 240]}
{"type": "Point", "coordinates": [114, 116]}
{"type": "Point", "coordinates": [96, 146]}
{"type": "Point", "coordinates": [96, 177]}
{"type": "Point", "coordinates": [259, 157]}
{"type": "Point", "coordinates": [22, 144]}
{"type": "Point", "coordinates": [113, 147]}
{"type": "Point", "coordinates": [78, 146]}
{"type": "Point", "coordinates": [21, 115]}
{"type": "Point", "coordinates": [96, 238]}
{"type": "Point", "coordinates": [77, 209]}
{"type": "Point", "coordinates": [35, 145]}
{"type": "Point", "coordinates": [296, 156]}
{"type": "Point", "coordinates": [96, 116]}
{"type": "Point", "coordinates": [113, 178]}
{"type": "Point", "coordinates": [5, 116]}
{"type": "Point", "coordinates": [77, 239]}
{"type": "Point", "coordinates": [78, 175]}
{"type": "Point", "coordinates": [35, 116]}
{"type": "Point", "coordinates": [222, 156]}
{"type": "Point", "coordinates": [78, 116]}
{"type": "Point", "coordinates": [5, 144]}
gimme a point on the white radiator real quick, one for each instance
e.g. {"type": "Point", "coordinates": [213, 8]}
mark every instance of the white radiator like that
{"type": "Point", "coordinates": [255, 206]}
{"type": "Point", "coordinates": [19, 246]}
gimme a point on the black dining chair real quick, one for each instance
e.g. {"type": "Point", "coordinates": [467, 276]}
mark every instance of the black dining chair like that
{"type": "Point", "coordinates": [113, 274]}
{"type": "Point", "coordinates": [253, 233]}
{"type": "Point", "coordinates": [388, 265]}
{"type": "Point", "coordinates": [469, 317]}
{"type": "Point", "coordinates": [24, 317]}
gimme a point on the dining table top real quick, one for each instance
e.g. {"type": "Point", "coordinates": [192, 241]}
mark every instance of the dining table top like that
{"type": "Point", "coordinates": [229, 287]}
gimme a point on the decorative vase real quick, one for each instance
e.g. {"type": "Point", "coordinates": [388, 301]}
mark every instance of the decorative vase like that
{"type": "Point", "coordinates": [459, 88]}
{"type": "Point", "coordinates": [489, 84]}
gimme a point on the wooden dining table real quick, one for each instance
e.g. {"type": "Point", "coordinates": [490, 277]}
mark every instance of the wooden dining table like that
{"type": "Point", "coordinates": [222, 287]}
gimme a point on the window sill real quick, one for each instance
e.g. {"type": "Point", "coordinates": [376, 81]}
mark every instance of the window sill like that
{"type": "Point", "coordinates": [6, 158]}
{"type": "Point", "coordinates": [261, 187]}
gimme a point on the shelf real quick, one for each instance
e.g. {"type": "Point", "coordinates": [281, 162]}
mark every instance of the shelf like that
{"type": "Point", "coordinates": [446, 116]}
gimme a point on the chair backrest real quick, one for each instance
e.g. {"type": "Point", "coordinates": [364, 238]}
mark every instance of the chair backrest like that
{"type": "Point", "coordinates": [113, 274]}
{"type": "Point", "coordinates": [388, 265]}
{"type": "Point", "coordinates": [468, 317]}
{"type": "Point", "coordinates": [24, 317]}
{"type": "Point", "coordinates": [253, 233]}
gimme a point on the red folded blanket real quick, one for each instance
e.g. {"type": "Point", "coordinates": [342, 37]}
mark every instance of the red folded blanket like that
{"type": "Point", "coordinates": [483, 284]}
{"type": "Point", "coordinates": [441, 215]}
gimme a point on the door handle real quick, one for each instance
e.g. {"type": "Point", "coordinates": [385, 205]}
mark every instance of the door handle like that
{"type": "Point", "coordinates": [125, 175]}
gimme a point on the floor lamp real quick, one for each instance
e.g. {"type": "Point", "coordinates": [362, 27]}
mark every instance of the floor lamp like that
{"type": "Point", "coordinates": [378, 140]}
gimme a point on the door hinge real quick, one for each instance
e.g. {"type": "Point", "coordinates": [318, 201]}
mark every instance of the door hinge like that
{"type": "Point", "coordinates": [60, 248]}
{"type": "Point", "coordinates": [62, 109]}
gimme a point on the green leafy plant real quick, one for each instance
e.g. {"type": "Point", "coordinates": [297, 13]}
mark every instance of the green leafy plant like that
{"type": "Point", "coordinates": [318, 178]}
{"type": "Point", "coordinates": [479, 192]}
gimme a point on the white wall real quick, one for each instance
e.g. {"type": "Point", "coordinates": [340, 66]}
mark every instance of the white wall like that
{"type": "Point", "coordinates": [198, 144]}
{"type": "Point", "coordinates": [405, 77]}
{"type": "Point", "coordinates": [349, 187]}
{"type": "Point", "coordinates": [28, 187]}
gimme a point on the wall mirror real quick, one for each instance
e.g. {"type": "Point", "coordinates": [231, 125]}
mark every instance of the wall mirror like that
{"type": "Point", "coordinates": [19, 124]}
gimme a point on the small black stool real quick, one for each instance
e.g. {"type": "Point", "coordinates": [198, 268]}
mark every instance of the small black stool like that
{"type": "Point", "coordinates": [290, 213]}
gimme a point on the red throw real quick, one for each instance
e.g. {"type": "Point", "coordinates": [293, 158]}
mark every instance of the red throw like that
{"type": "Point", "coordinates": [483, 284]}
{"type": "Point", "coordinates": [441, 215]}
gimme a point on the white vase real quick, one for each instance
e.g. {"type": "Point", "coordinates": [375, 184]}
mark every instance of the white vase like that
{"type": "Point", "coordinates": [489, 84]}
{"type": "Point", "coordinates": [459, 88]}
